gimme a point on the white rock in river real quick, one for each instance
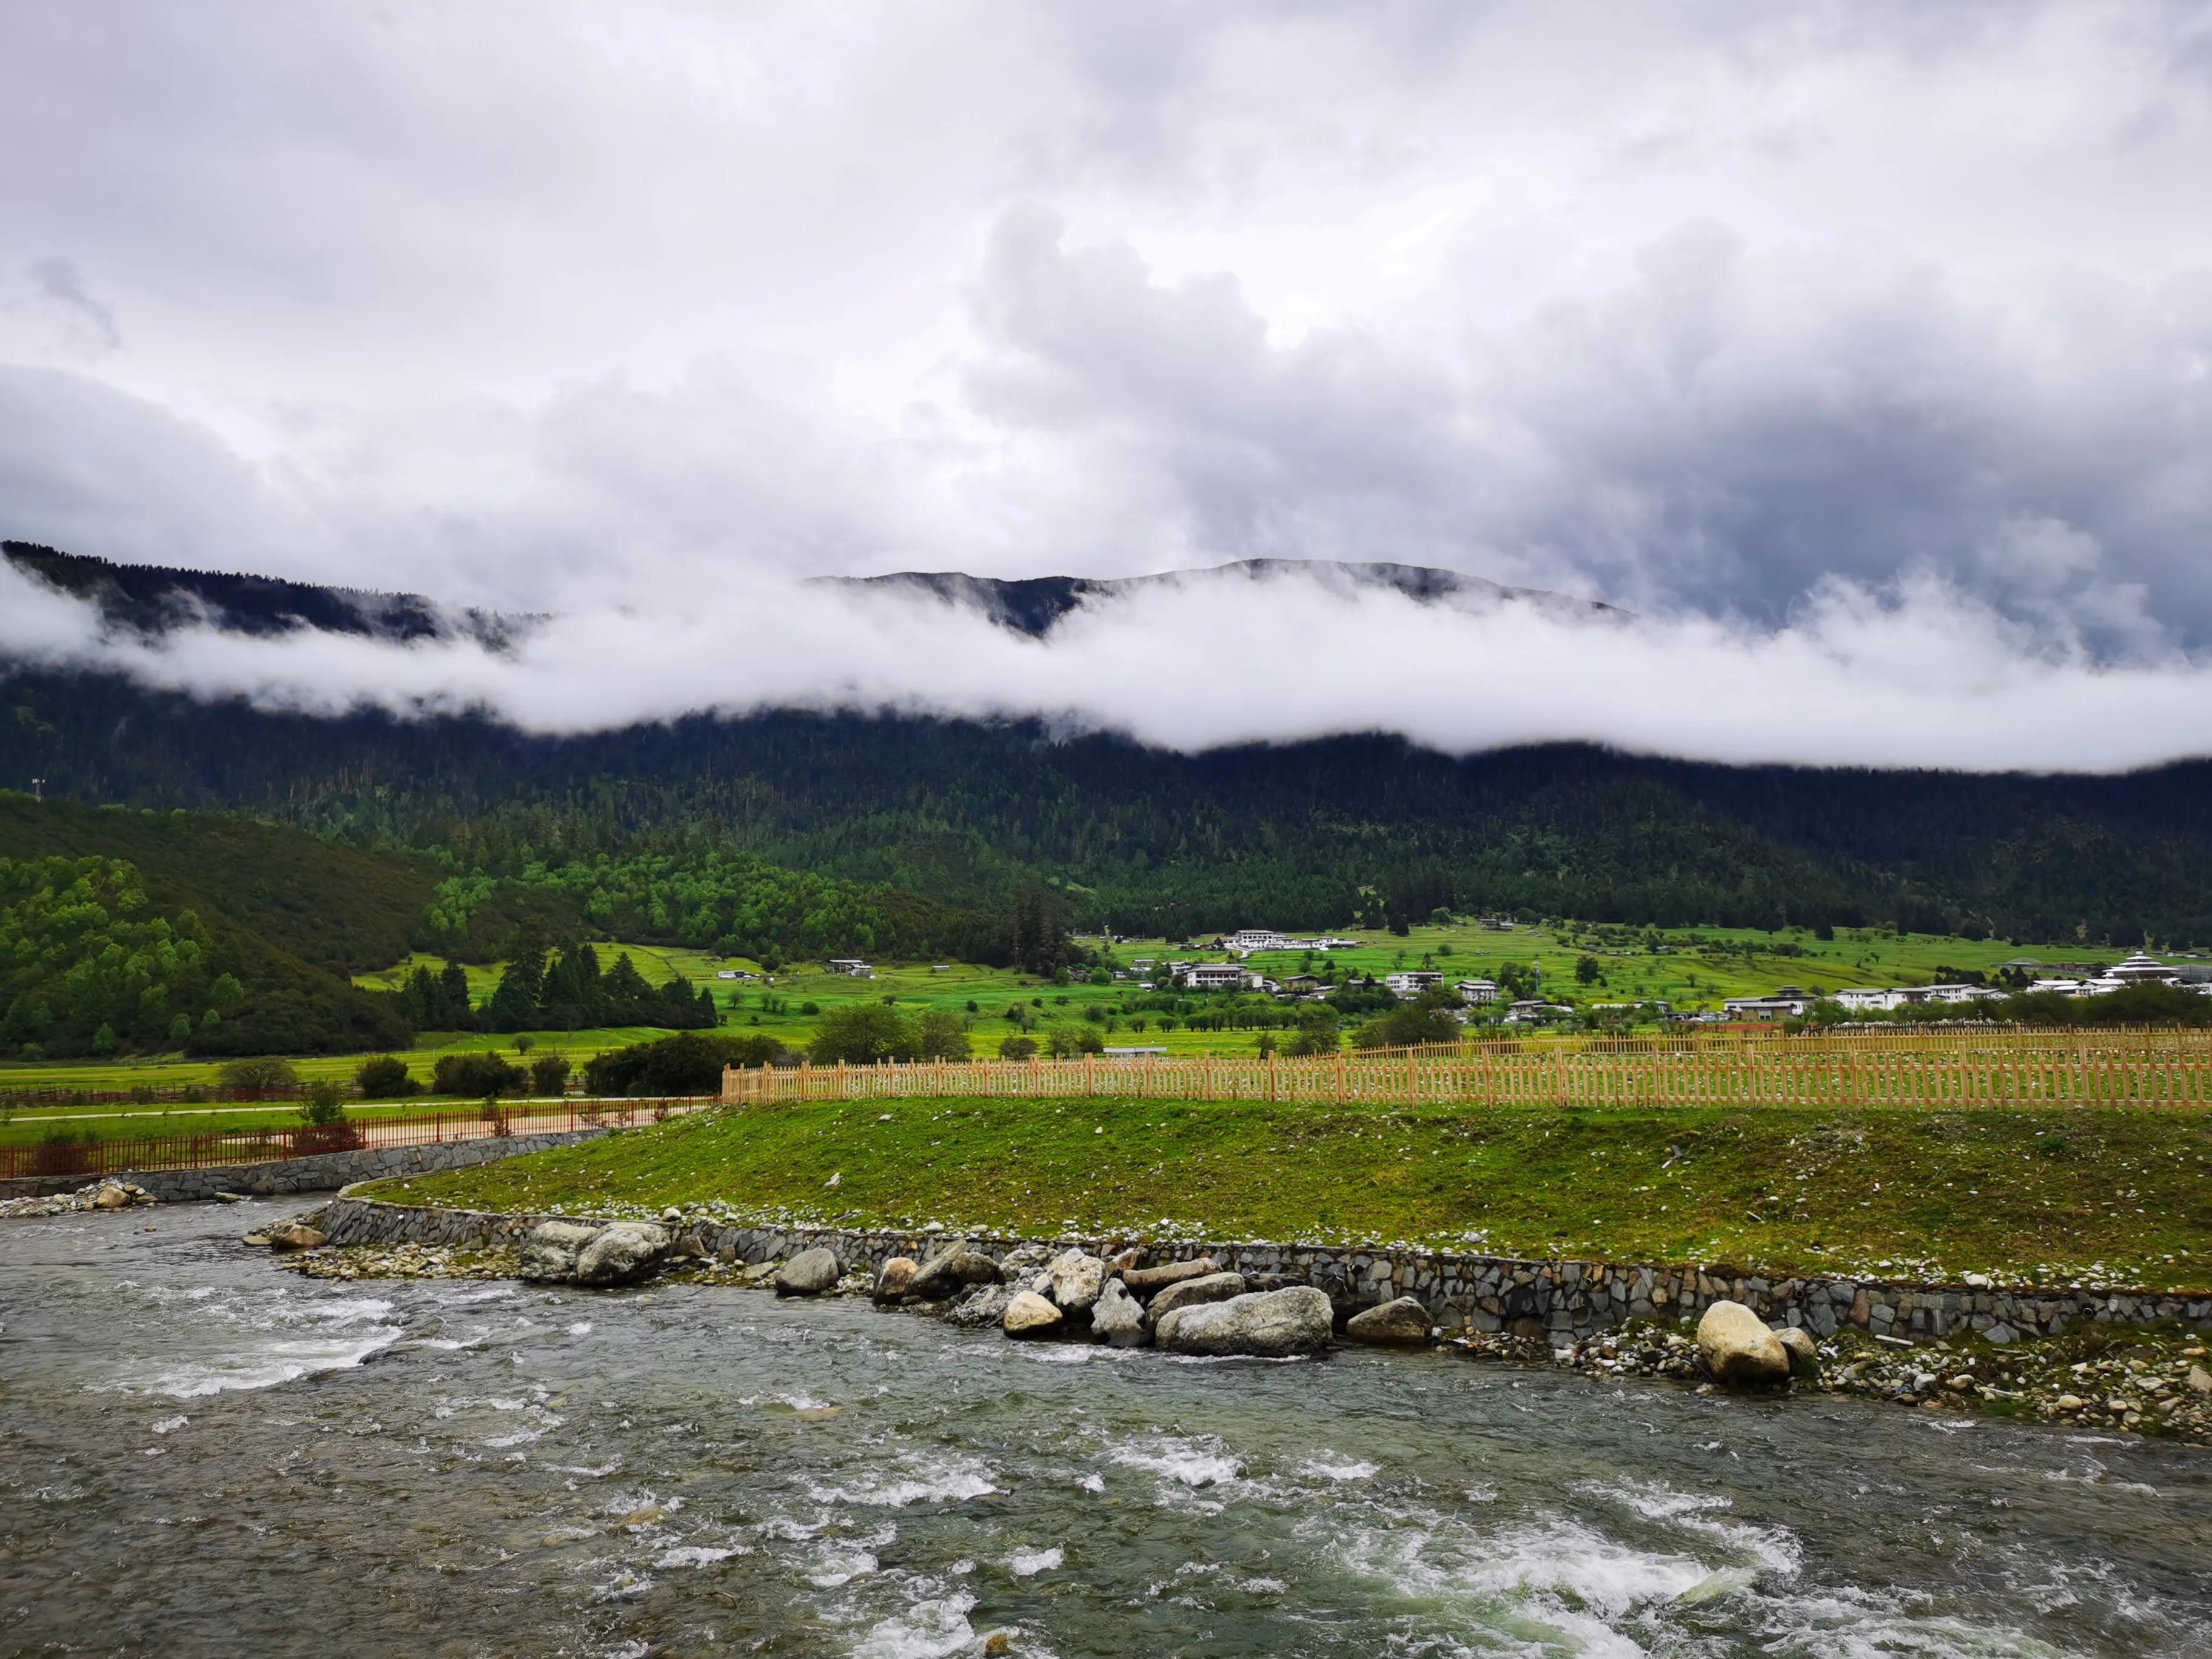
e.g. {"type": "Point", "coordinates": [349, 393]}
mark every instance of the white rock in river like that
{"type": "Point", "coordinates": [1207, 1287]}
{"type": "Point", "coordinates": [1115, 1318]}
{"type": "Point", "coordinates": [550, 1251]}
{"type": "Point", "coordinates": [1029, 1315]}
{"type": "Point", "coordinates": [624, 1250]}
{"type": "Point", "coordinates": [808, 1274]}
{"type": "Point", "coordinates": [1738, 1348]}
{"type": "Point", "coordinates": [1403, 1323]}
{"type": "Point", "coordinates": [1076, 1278]}
{"type": "Point", "coordinates": [1269, 1323]}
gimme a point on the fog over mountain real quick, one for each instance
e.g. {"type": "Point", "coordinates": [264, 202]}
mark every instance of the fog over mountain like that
{"type": "Point", "coordinates": [1192, 661]}
{"type": "Point", "coordinates": [1859, 355]}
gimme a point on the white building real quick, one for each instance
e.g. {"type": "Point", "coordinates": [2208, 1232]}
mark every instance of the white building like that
{"type": "Point", "coordinates": [1864, 1000]}
{"type": "Point", "coordinates": [851, 966]}
{"type": "Point", "coordinates": [1475, 992]}
{"type": "Point", "coordinates": [2139, 969]}
{"type": "Point", "coordinates": [1216, 976]}
{"type": "Point", "coordinates": [1787, 1003]}
{"type": "Point", "coordinates": [1533, 1013]}
{"type": "Point", "coordinates": [1408, 986]}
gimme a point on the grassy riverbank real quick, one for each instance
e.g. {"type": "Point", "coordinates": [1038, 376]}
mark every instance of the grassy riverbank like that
{"type": "Point", "coordinates": [2109, 1195]}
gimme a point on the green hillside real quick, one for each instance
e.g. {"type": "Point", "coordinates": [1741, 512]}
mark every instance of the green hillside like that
{"type": "Point", "coordinates": [287, 917]}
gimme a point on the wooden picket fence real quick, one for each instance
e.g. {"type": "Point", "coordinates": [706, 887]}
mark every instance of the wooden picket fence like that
{"type": "Point", "coordinates": [1943, 1070]}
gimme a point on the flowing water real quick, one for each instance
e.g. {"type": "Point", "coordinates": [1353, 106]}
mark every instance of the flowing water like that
{"type": "Point", "coordinates": [201, 1454]}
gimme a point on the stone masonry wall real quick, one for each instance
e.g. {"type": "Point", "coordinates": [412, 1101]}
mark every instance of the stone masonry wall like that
{"type": "Point", "coordinates": [324, 1172]}
{"type": "Point", "coordinates": [1563, 1299]}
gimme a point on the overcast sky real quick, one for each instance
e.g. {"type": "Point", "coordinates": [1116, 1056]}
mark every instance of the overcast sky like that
{"type": "Point", "coordinates": [1750, 319]}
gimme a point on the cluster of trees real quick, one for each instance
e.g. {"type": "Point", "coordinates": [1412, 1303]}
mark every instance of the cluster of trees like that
{"type": "Point", "coordinates": [565, 989]}
{"type": "Point", "coordinates": [89, 966]}
{"type": "Point", "coordinates": [861, 1034]}
{"type": "Point", "coordinates": [710, 897]}
{"type": "Point", "coordinates": [689, 1063]}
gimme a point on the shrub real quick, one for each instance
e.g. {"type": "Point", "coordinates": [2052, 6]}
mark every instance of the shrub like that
{"type": "Point", "coordinates": [940, 1034]}
{"type": "Point", "coordinates": [862, 1035]}
{"type": "Point", "coordinates": [548, 1075]}
{"type": "Point", "coordinates": [689, 1063]}
{"type": "Point", "coordinates": [385, 1078]}
{"type": "Point", "coordinates": [322, 1104]}
{"type": "Point", "coordinates": [1408, 1028]}
{"type": "Point", "coordinates": [480, 1076]}
{"type": "Point", "coordinates": [1018, 1047]}
{"type": "Point", "coordinates": [262, 1074]}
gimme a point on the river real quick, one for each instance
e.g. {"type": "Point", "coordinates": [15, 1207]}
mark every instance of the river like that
{"type": "Point", "coordinates": [203, 1454]}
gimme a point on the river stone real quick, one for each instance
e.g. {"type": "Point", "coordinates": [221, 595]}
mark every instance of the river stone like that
{"type": "Point", "coordinates": [896, 1278]}
{"type": "Point", "coordinates": [1804, 1353]}
{"type": "Point", "coordinates": [951, 1270]}
{"type": "Point", "coordinates": [980, 1308]}
{"type": "Point", "coordinates": [296, 1237]}
{"type": "Point", "coordinates": [1075, 1281]}
{"type": "Point", "coordinates": [549, 1252]}
{"type": "Point", "coordinates": [1145, 1280]}
{"type": "Point", "coordinates": [1738, 1348]}
{"type": "Point", "coordinates": [1268, 1323]}
{"type": "Point", "coordinates": [623, 1250]}
{"type": "Point", "coordinates": [1115, 1318]}
{"type": "Point", "coordinates": [111, 1198]}
{"type": "Point", "coordinates": [808, 1274]}
{"type": "Point", "coordinates": [1029, 1314]}
{"type": "Point", "coordinates": [1191, 1292]}
{"type": "Point", "coordinates": [1403, 1323]}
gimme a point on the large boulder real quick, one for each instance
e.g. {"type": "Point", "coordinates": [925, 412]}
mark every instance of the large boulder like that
{"type": "Point", "coordinates": [1075, 1281]}
{"type": "Point", "coordinates": [1804, 1353]}
{"type": "Point", "coordinates": [1272, 1324]}
{"type": "Point", "coordinates": [294, 1237]}
{"type": "Point", "coordinates": [1145, 1280]}
{"type": "Point", "coordinates": [1739, 1350]}
{"type": "Point", "coordinates": [896, 1278]}
{"type": "Point", "coordinates": [623, 1251]}
{"type": "Point", "coordinates": [809, 1272]}
{"type": "Point", "coordinates": [111, 1198]}
{"type": "Point", "coordinates": [551, 1248]}
{"type": "Point", "coordinates": [1192, 1293]}
{"type": "Point", "coordinates": [951, 1270]}
{"type": "Point", "coordinates": [1403, 1323]}
{"type": "Point", "coordinates": [1029, 1314]}
{"type": "Point", "coordinates": [980, 1306]}
{"type": "Point", "coordinates": [1115, 1316]}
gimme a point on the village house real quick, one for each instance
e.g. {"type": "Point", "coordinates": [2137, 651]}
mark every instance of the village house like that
{"type": "Point", "coordinates": [1477, 991]}
{"type": "Point", "coordinates": [853, 967]}
{"type": "Point", "coordinates": [1410, 984]}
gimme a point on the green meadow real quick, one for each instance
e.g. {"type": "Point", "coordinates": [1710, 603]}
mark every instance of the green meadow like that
{"type": "Point", "coordinates": [1690, 969]}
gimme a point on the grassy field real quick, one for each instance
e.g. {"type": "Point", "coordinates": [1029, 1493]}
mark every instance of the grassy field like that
{"type": "Point", "coordinates": [1691, 970]}
{"type": "Point", "coordinates": [2120, 1196]}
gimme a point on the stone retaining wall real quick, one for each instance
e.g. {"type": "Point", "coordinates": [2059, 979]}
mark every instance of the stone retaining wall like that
{"type": "Point", "coordinates": [323, 1172]}
{"type": "Point", "coordinates": [1560, 1299]}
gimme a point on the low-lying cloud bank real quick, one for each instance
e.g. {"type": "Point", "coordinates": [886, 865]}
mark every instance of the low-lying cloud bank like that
{"type": "Point", "coordinates": [1916, 676]}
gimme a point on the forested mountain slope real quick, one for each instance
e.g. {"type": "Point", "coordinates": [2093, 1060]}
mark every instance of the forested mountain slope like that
{"type": "Point", "coordinates": [972, 816]}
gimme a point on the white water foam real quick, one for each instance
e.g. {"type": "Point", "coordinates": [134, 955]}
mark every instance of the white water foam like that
{"type": "Point", "coordinates": [696, 1555]}
{"type": "Point", "coordinates": [934, 1629]}
{"type": "Point", "coordinates": [914, 1478]}
{"type": "Point", "coordinates": [1196, 1463]}
{"type": "Point", "coordinates": [1027, 1563]}
{"type": "Point", "coordinates": [1329, 1466]}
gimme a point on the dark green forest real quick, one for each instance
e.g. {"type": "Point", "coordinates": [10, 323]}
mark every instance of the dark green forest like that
{"type": "Point", "coordinates": [687, 830]}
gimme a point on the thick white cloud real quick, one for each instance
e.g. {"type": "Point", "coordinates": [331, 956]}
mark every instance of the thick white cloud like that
{"type": "Point", "coordinates": [1920, 676]}
{"type": "Point", "coordinates": [1735, 317]}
